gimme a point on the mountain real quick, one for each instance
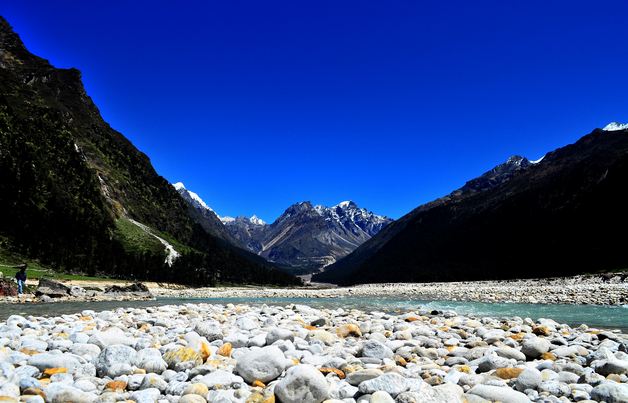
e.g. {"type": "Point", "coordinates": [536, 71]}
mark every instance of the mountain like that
{"type": "Point", "coordinates": [202, 214]}
{"type": "Point", "coordinates": [304, 238]}
{"type": "Point", "coordinates": [308, 237]}
{"type": "Point", "coordinates": [560, 215]}
{"type": "Point", "coordinates": [78, 196]}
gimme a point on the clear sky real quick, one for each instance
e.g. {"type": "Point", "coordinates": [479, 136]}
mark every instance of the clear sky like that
{"type": "Point", "coordinates": [256, 105]}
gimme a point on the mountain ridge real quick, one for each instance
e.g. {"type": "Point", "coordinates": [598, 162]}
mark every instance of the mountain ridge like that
{"type": "Point", "coordinates": [546, 209]}
{"type": "Point", "coordinates": [304, 237]}
{"type": "Point", "coordinates": [78, 195]}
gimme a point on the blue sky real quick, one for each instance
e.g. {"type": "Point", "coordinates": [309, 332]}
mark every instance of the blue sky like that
{"type": "Point", "coordinates": [256, 105]}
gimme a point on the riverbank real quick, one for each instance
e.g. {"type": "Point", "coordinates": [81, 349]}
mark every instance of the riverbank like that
{"type": "Point", "coordinates": [297, 354]}
{"type": "Point", "coordinates": [607, 289]}
{"type": "Point", "coordinates": [611, 289]}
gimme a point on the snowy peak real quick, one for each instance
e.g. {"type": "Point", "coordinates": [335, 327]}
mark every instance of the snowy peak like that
{"type": "Point", "coordinates": [191, 197]}
{"type": "Point", "coordinates": [256, 220]}
{"type": "Point", "coordinates": [615, 126]}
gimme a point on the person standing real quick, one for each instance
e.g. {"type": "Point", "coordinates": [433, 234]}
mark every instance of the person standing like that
{"type": "Point", "coordinates": [20, 276]}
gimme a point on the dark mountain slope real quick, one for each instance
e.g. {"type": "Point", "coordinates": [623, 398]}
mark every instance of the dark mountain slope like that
{"type": "Point", "coordinates": [71, 186]}
{"type": "Point", "coordinates": [561, 216]}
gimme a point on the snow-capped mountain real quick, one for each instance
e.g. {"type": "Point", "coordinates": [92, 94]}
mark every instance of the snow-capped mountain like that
{"type": "Point", "coordinates": [304, 237]}
{"type": "Point", "coordinates": [309, 237]}
{"type": "Point", "coordinates": [203, 214]}
{"type": "Point", "coordinates": [615, 126]}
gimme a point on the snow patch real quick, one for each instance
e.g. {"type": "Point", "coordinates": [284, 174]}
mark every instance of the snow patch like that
{"type": "Point", "coordinates": [615, 126]}
{"type": "Point", "coordinates": [226, 219]}
{"type": "Point", "coordinates": [537, 161]}
{"type": "Point", "coordinates": [179, 185]}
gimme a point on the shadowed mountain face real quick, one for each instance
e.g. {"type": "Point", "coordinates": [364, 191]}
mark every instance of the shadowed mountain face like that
{"type": "Point", "coordinates": [78, 195]}
{"type": "Point", "coordinates": [561, 215]}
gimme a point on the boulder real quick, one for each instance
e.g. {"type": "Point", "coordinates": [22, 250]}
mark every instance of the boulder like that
{"type": "Point", "coordinates": [51, 288]}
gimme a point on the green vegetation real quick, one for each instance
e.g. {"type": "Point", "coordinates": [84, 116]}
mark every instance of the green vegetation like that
{"type": "Point", "coordinates": [67, 179]}
{"type": "Point", "coordinates": [136, 240]}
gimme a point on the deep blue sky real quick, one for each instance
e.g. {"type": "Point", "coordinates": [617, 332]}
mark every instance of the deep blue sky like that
{"type": "Point", "coordinates": [258, 104]}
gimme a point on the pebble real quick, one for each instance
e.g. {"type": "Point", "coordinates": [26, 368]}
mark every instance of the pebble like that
{"type": "Point", "coordinates": [195, 353]}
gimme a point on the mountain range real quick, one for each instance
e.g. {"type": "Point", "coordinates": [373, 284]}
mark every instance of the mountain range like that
{"type": "Point", "coordinates": [78, 196]}
{"type": "Point", "coordinates": [560, 215]}
{"type": "Point", "coordinates": [304, 239]}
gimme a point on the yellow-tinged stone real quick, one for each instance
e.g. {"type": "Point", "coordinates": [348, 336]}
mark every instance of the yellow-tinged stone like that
{"type": "Point", "coordinates": [412, 319]}
{"type": "Point", "coordinates": [144, 327]}
{"type": "Point", "coordinates": [182, 354]}
{"type": "Point", "coordinates": [119, 386]}
{"type": "Point", "coordinates": [518, 336]}
{"type": "Point", "coordinates": [400, 361]}
{"type": "Point", "coordinates": [310, 327]}
{"type": "Point", "coordinates": [327, 370]}
{"type": "Point", "coordinates": [205, 351]}
{"type": "Point", "coordinates": [541, 330]}
{"type": "Point", "coordinates": [196, 389]}
{"type": "Point", "coordinates": [28, 351]}
{"type": "Point", "coordinates": [139, 371]}
{"type": "Point", "coordinates": [548, 356]}
{"type": "Point", "coordinates": [464, 368]}
{"type": "Point", "coordinates": [433, 321]}
{"type": "Point", "coordinates": [225, 350]}
{"type": "Point", "coordinates": [91, 326]}
{"type": "Point", "coordinates": [86, 318]}
{"type": "Point", "coordinates": [444, 328]}
{"type": "Point", "coordinates": [258, 397]}
{"type": "Point", "coordinates": [8, 399]}
{"type": "Point", "coordinates": [34, 391]}
{"type": "Point", "coordinates": [388, 333]}
{"type": "Point", "coordinates": [295, 361]}
{"type": "Point", "coordinates": [614, 377]}
{"type": "Point", "coordinates": [451, 348]}
{"type": "Point", "coordinates": [52, 371]}
{"type": "Point", "coordinates": [63, 335]}
{"type": "Point", "coordinates": [508, 373]}
{"type": "Point", "coordinates": [259, 384]}
{"type": "Point", "coordinates": [349, 330]}
{"type": "Point", "coordinates": [44, 381]}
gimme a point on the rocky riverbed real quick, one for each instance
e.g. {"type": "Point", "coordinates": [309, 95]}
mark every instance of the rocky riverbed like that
{"type": "Point", "coordinates": [296, 354]}
{"type": "Point", "coordinates": [607, 289]}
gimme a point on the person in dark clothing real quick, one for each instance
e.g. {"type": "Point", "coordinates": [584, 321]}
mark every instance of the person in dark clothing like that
{"type": "Point", "coordinates": [20, 276]}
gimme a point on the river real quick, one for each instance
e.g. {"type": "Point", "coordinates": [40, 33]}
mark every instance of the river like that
{"type": "Point", "coordinates": [607, 317]}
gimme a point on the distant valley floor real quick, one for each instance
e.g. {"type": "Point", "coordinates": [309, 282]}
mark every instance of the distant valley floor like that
{"type": "Point", "coordinates": [602, 289]}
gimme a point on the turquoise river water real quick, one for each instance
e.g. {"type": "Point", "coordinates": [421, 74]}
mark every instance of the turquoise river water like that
{"type": "Point", "coordinates": [607, 317]}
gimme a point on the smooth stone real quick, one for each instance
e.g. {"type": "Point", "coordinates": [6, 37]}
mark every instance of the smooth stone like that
{"type": "Point", "coordinates": [302, 384]}
{"type": "Point", "coordinates": [535, 346]}
{"type": "Point", "coordinates": [530, 378]}
{"type": "Point", "coordinates": [150, 395]}
{"type": "Point", "coordinates": [115, 360]}
{"type": "Point", "coordinates": [390, 382]}
{"type": "Point", "coordinates": [278, 334]}
{"type": "Point", "coordinates": [192, 399]}
{"type": "Point", "coordinates": [263, 364]}
{"type": "Point", "coordinates": [497, 393]}
{"type": "Point", "coordinates": [375, 349]}
{"type": "Point", "coordinates": [610, 392]}
{"type": "Point", "coordinates": [357, 377]}
{"type": "Point", "coordinates": [381, 397]}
